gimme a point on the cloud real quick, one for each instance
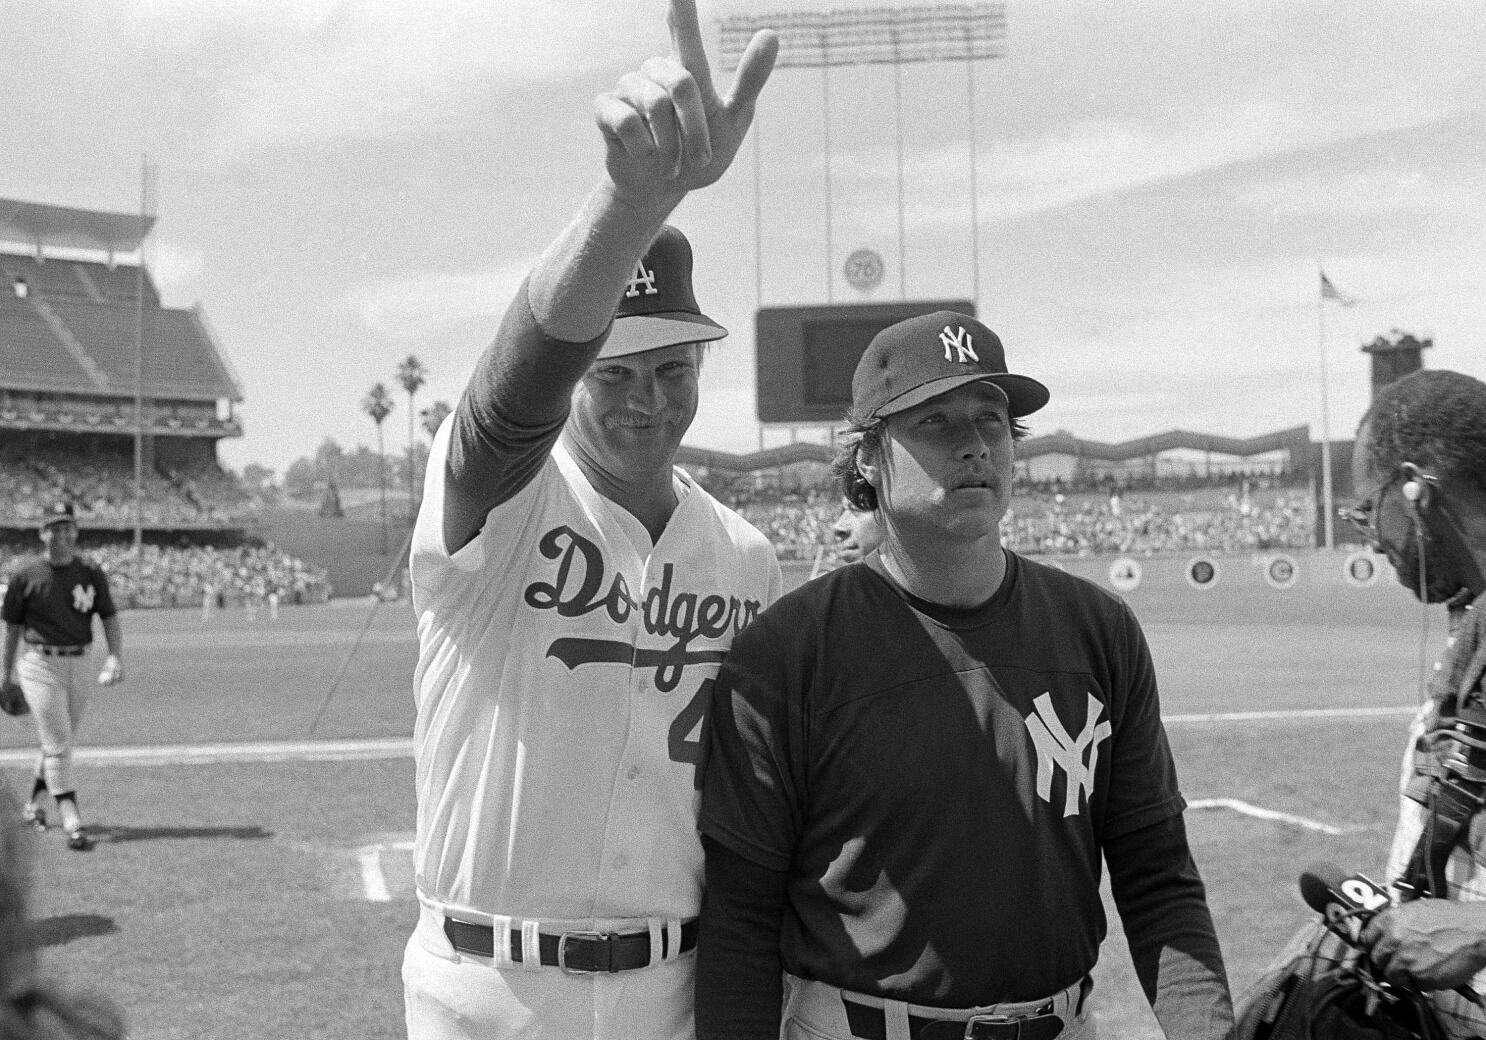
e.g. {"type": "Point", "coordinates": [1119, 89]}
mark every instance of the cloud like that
{"type": "Point", "coordinates": [368, 71]}
{"type": "Point", "coordinates": [1376, 191]}
{"type": "Point", "coordinates": [413, 305]}
{"type": "Point", "coordinates": [173, 265]}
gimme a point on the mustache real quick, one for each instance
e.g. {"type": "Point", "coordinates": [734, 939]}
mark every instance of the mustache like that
{"type": "Point", "coordinates": [640, 420]}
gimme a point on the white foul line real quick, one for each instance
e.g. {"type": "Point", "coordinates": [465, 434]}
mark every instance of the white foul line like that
{"type": "Point", "coordinates": [373, 882]}
{"type": "Point", "coordinates": [1268, 814]}
{"type": "Point", "coordinates": [207, 754]}
{"type": "Point", "coordinates": [402, 747]}
{"type": "Point", "coordinates": [1291, 714]}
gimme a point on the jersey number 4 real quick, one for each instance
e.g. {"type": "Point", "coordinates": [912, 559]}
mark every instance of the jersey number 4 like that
{"type": "Point", "coordinates": [687, 739]}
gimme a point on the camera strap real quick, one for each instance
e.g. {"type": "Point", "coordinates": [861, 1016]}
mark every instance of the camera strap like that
{"type": "Point", "coordinates": [1450, 758]}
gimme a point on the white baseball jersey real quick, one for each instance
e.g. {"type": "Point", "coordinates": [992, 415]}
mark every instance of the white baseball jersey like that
{"type": "Point", "coordinates": [563, 673]}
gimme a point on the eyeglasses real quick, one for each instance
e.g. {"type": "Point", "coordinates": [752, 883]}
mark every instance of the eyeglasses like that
{"type": "Point", "coordinates": [1361, 519]}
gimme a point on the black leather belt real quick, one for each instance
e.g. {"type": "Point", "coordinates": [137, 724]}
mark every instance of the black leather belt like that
{"type": "Point", "coordinates": [577, 952]}
{"type": "Point", "coordinates": [58, 651]}
{"type": "Point", "coordinates": [869, 1023]}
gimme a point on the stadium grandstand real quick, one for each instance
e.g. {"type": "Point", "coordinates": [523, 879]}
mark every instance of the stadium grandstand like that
{"type": "Point", "coordinates": [100, 383]}
{"type": "Point", "coordinates": [98, 375]}
{"type": "Point", "coordinates": [1176, 491]}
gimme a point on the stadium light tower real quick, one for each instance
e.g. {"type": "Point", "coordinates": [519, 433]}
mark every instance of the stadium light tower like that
{"type": "Point", "coordinates": [146, 222]}
{"type": "Point", "coordinates": [881, 35]}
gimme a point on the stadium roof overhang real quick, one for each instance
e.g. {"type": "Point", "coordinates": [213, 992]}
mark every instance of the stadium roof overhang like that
{"type": "Point", "coordinates": [58, 227]}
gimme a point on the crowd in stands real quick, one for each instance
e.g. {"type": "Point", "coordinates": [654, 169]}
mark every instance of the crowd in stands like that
{"type": "Point", "coordinates": [102, 488]}
{"type": "Point", "coordinates": [1058, 524]}
{"type": "Point", "coordinates": [799, 521]}
{"type": "Point", "coordinates": [795, 509]}
{"type": "Point", "coordinates": [200, 495]}
{"type": "Point", "coordinates": [176, 576]}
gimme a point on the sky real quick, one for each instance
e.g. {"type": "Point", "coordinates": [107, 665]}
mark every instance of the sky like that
{"type": "Point", "coordinates": [1157, 187]}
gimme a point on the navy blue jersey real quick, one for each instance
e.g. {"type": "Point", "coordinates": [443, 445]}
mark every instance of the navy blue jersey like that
{"type": "Point", "coordinates": [938, 783]}
{"type": "Point", "coordinates": [55, 605]}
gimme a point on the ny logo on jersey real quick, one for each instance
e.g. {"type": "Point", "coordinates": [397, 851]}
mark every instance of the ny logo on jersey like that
{"type": "Point", "coordinates": [82, 598]}
{"type": "Point", "coordinates": [958, 345]}
{"type": "Point", "coordinates": [642, 277]}
{"type": "Point", "coordinates": [1055, 748]}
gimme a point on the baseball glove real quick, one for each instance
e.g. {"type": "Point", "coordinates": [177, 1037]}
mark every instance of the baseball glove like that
{"type": "Point", "coordinates": [12, 700]}
{"type": "Point", "coordinates": [1322, 988]}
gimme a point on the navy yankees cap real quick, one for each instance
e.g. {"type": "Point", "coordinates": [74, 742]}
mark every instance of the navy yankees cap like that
{"type": "Point", "coordinates": [59, 512]}
{"type": "Point", "coordinates": [919, 358]}
{"type": "Point", "coordinates": [658, 308]}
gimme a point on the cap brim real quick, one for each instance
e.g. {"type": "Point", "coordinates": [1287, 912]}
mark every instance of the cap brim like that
{"type": "Point", "coordinates": [635, 334]}
{"type": "Point", "coordinates": [1024, 395]}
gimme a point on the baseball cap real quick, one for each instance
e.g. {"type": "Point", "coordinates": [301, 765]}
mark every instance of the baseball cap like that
{"type": "Point", "coordinates": [658, 308]}
{"type": "Point", "coordinates": [57, 513]}
{"type": "Point", "coordinates": [922, 357]}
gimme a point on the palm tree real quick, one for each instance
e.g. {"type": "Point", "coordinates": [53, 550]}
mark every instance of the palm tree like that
{"type": "Point", "coordinates": [411, 374]}
{"type": "Point", "coordinates": [434, 415]}
{"type": "Point", "coordinates": [378, 405]}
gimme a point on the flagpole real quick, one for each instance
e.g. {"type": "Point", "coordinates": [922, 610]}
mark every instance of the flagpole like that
{"type": "Point", "coordinates": [1328, 508]}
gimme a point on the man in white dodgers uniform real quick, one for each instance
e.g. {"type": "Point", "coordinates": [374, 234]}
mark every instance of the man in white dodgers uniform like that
{"type": "Point", "coordinates": [575, 594]}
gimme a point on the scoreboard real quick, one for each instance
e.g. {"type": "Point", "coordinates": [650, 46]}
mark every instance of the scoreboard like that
{"type": "Point", "coordinates": [805, 356]}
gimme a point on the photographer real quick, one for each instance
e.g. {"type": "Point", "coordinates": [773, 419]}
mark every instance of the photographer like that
{"type": "Point", "coordinates": [1420, 471]}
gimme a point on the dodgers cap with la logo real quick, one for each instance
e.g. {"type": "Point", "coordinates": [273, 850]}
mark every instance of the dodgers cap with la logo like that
{"type": "Point", "coordinates": [657, 308]}
{"type": "Point", "coordinates": [920, 358]}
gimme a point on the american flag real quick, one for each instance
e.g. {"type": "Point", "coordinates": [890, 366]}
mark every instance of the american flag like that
{"type": "Point", "coordinates": [1331, 292]}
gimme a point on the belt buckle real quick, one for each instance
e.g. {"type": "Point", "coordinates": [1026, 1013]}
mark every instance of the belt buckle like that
{"type": "Point", "coordinates": [995, 1024]}
{"type": "Point", "coordinates": [971, 1033]}
{"type": "Point", "coordinates": [562, 951]}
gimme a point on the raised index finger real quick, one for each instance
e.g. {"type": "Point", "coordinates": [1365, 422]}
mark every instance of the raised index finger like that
{"type": "Point", "coordinates": [686, 42]}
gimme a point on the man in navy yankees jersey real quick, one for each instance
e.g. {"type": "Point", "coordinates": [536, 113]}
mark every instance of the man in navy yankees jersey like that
{"type": "Point", "coordinates": [919, 762]}
{"type": "Point", "coordinates": [48, 611]}
{"type": "Point", "coordinates": [575, 593]}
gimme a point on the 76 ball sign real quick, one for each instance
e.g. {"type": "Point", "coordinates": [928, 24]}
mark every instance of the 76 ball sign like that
{"type": "Point", "coordinates": [863, 270]}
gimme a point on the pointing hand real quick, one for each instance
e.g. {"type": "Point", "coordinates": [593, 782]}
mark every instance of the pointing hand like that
{"type": "Point", "coordinates": [666, 129]}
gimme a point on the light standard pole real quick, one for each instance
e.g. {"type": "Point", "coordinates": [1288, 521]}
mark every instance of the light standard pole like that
{"type": "Point", "coordinates": [946, 32]}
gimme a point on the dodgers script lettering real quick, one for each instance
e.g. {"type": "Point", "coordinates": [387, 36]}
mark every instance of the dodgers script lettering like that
{"type": "Point", "coordinates": [582, 585]}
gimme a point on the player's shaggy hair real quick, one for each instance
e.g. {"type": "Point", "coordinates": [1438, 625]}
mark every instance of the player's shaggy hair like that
{"type": "Point", "coordinates": [862, 435]}
{"type": "Point", "coordinates": [1434, 418]}
{"type": "Point", "coordinates": [867, 436]}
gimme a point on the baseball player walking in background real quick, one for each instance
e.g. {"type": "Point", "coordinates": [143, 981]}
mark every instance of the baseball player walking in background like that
{"type": "Point", "coordinates": [575, 593]}
{"type": "Point", "coordinates": [919, 762]}
{"type": "Point", "coordinates": [48, 611]}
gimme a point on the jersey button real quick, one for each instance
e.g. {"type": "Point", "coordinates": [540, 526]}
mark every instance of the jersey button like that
{"type": "Point", "coordinates": [621, 861]}
{"type": "Point", "coordinates": [634, 773]}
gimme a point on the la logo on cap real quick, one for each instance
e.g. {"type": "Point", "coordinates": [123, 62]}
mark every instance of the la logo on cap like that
{"type": "Point", "coordinates": [642, 277]}
{"type": "Point", "coordinates": [656, 306]}
{"type": "Point", "coordinates": [959, 345]}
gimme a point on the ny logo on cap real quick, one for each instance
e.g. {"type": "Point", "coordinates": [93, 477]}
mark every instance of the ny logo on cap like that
{"type": "Point", "coordinates": [960, 342]}
{"type": "Point", "coordinates": [642, 277]}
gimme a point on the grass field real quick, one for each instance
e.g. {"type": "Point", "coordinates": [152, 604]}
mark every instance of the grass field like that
{"type": "Point", "coordinates": [272, 897]}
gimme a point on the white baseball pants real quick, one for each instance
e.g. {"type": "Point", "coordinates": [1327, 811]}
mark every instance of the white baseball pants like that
{"type": "Point", "coordinates": [57, 701]}
{"type": "Point", "coordinates": [450, 995]}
